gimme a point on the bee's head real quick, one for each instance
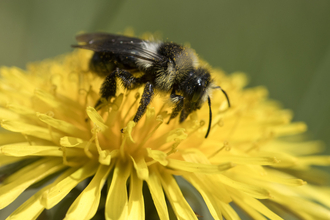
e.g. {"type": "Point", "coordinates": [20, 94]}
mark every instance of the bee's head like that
{"type": "Point", "coordinates": [197, 89]}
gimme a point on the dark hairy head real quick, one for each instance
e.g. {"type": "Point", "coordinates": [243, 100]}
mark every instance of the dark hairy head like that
{"type": "Point", "coordinates": [195, 87]}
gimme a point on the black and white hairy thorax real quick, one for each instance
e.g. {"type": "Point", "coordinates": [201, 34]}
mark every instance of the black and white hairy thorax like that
{"type": "Point", "coordinates": [172, 70]}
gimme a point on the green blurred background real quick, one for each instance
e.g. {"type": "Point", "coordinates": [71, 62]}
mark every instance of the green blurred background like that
{"type": "Point", "coordinates": [283, 45]}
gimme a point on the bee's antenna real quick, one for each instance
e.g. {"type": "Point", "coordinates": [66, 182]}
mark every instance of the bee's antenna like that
{"type": "Point", "coordinates": [224, 92]}
{"type": "Point", "coordinates": [210, 117]}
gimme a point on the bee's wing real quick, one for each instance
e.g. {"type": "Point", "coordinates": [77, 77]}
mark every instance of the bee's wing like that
{"type": "Point", "coordinates": [116, 44]}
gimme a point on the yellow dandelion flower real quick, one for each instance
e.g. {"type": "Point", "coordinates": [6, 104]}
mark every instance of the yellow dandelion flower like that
{"type": "Point", "coordinates": [249, 158]}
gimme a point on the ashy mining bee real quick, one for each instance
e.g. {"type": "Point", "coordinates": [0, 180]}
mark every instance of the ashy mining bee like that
{"type": "Point", "coordinates": [167, 67]}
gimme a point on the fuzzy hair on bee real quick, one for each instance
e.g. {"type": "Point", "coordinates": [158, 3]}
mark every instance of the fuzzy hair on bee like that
{"type": "Point", "coordinates": [166, 67]}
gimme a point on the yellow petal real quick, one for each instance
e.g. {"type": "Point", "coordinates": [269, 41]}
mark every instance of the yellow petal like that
{"type": "Point", "coordinates": [9, 137]}
{"type": "Point", "coordinates": [35, 172]}
{"type": "Point", "coordinates": [315, 160]}
{"type": "Point", "coordinates": [253, 213]}
{"type": "Point", "coordinates": [197, 167]}
{"type": "Point", "coordinates": [157, 194]}
{"type": "Point", "coordinates": [174, 195]}
{"type": "Point", "coordinates": [158, 156]}
{"type": "Point", "coordinates": [272, 175]}
{"type": "Point", "coordinates": [55, 194]}
{"type": "Point", "coordinates": [33, 130]}
{"type": "Point", "coordinates": [316, 193]}
{"type": "Point", "coordinates": [116, 207]}
{"type": "Point", "coordinates": [21, 110]}
{"type": "Point", "coordinates": [85, 206]}
{"type": "Point", "coordinates": [60, 105]}
{"type": "Point", "coordinates": [18, 76]}
{"type": "Point", "coordinates": [63, 126]}
{"type": "Point", "coordinates": [195, 156]}
{"type": "Point", "coordinates": [209, 198]}
{"type": "Point", "coordinates": [96, 118]}
{"type": "Point", "coordinates": [280, 159]}
{"type": "Point", "coordinates": [290, 129]}
{"type": "Point", "coordinates": [228, 211]}
{"type": "Point", "coordinates": [105, 157]}
{"type": "Point", "coordinates": [128, 130]}
{"type": "Point", "coordinates": [252, 160]}
{"type": "Point", "coordinates": [301, 206]}
{"type": "Point", "coordinates": [136, 201]}
{"type": "Point", "coordinates": [141, 168]}
{"type": "Point", "coordinates": [211, 184]}
{"type": "Point", "coordinates": [7, 114]}
{"type": "Point", "coordinates": [32, 207]}
{"type": "Point", "coordinates": [25, 149]}
{"type": "Point", "coordinates": [257, 205]}
{"type": "Point", "coordinates": [296, 148]}
{"type": "Point", "coordinates": [72, 142]}
{"type": "Point", "coordinates": [4, 160]}
{"type": "Point", "coordinates": [251, 190]}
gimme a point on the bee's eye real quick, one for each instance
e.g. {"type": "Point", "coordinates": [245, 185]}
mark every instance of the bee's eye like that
{"type": "Point", "coordinates": [195, 97]}
{"type": "Point", "coordinates": [198, 90]}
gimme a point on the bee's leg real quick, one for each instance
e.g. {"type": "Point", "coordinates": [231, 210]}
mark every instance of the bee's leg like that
{"type": "Point", "coordinates": [178, 99]}
{"type": "Point", "coordinates": [108, 88]}
{"type": "Point", "coordinates": [148, 92]}
{"type": "Point", "coordinates": [184, 114]}
{"type": "Point", "coordinates": [128, 80]}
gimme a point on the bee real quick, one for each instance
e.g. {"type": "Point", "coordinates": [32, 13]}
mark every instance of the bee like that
{"type": "Point", "coordinates": [166, 67]}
